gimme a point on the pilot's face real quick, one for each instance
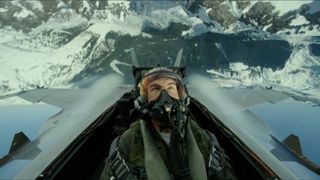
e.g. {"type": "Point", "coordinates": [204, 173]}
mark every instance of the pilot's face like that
{"type": "Point", "coordinates": [154, 88]}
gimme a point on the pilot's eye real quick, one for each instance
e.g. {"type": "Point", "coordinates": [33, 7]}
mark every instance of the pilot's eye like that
{"type": "Point", "coordinates": [155, 89]}
{"type": "Point", "coordinates": [171, 88]}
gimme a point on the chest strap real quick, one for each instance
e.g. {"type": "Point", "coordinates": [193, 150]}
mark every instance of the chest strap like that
{"type": "Point", "coordinates": [118, 165]}
{"type": "Point", "coordinates": [216, 157]}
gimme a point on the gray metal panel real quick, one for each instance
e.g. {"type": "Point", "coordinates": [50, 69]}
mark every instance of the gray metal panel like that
{"type": "Point", "coordinates": [251, 97]}
{"type": "Point", "coordinates": [230, 106]}
{"type": "Point", "coordinates": [64, 98]}
{"type": "Point", "coordinates": [60, 130]}
{"type": "Point", "coordinates": [230, 101]}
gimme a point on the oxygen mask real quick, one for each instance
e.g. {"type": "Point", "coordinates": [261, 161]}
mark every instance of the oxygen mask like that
{"type": "Point", "coordinates": [164, 107]}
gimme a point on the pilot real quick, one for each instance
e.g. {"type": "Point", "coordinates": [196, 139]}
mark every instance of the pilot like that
{"type": "Point", "coordinates": [165, 143]}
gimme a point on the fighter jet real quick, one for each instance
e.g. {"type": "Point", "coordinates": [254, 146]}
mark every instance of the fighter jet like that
{"type": "Point", "coordinates": [67, 133]}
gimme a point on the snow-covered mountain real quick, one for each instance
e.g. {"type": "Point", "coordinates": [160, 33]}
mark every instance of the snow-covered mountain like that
{"type": "Point", "coordinates": [53, 52]}
{"type": "Point", "coordinates": [280, 16]}
{"type": "Point", "coordinates": [239, 43]}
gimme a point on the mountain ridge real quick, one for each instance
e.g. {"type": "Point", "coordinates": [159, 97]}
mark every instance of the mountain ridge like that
{"type": "Point", "coordinates": [78, 40]}
{"type": "Point", "coordinates": [298, 17]}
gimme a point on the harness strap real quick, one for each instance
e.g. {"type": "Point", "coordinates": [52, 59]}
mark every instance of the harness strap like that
{"type": "Point", "coordinates": [118, 166]}
{"type": "Point", "coordinates": [216, 157]}
{"type": "Point", "coordinates": [195, 158]}
{"type": "Point", "coordinates": [154, 164]}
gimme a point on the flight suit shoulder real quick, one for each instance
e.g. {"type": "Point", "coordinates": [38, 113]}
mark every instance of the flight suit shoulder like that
{"type": "Point", "coordinates": [202, 138]}
{"type": "Point", "coordinates": [131, 145]}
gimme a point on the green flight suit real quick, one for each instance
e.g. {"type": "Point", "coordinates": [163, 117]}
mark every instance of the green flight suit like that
{"type": "Point", "coordinates": [131, 147]}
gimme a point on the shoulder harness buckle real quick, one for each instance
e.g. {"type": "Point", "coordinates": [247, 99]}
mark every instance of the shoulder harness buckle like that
{"type": "Point", "coordinates": [216, 157]}
{"type": "Point", "coordinates": [118, 166]}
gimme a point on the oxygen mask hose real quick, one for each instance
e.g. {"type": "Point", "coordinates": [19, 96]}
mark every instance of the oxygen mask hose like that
{"type": "Point", "coordinates": [176, 154]}
{"type": "Point", "coordinates": [169, 112]}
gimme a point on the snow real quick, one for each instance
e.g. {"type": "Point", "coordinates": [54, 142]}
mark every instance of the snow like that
{"type": "Point", "coordinates": [300, 20]}
{"type": "Point", "coordinates": [61, 5]}
{"type": "Point", "coordinates": [8, 34]}
{"type": "Point", "coordinates": [299, 76]}
{"type": "Point", "coordinates": [238, 27]}
{"type": "Point", "coordinates": [24, 67]}
{"type": "Point", "coordinates": [196, 30]}
{"type": "Point", "coordinates": [3, 10]}
{"type": "Point", "coordinates": [252, 3]}
{"type": "Point", "coordinates": [74, 21]}
{"type": "Point", "coordinates": [132, 26]}
{"type": "Point", "coordinates": [122, 2]}
{"type": "Point", "coordinates": [233, 8]}
{"type": "Point", "coordinates": [266, 27]}
{"type": "Point", "coordinates": [203, 14]}
{"type": "Point", "coordinates": [85, 5]}
{"type": "Point", "coordinates": [114, 66]}
{"type": "Point", "coordinates": [36, 5]}
{"type": "Point", "coordinates": [23, 13]}
{"type": "Point", "coordinates": [303, 33]}
{"type": "Point", "coordinates": [163, 18]}
{"type": "Point", "coordinates": [283, 6]}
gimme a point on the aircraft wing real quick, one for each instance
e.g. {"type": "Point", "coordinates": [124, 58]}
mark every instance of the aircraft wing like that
{"type": "Point", "coordinates": [63, 98]}
{"type": "Point", "coordinates": [63, 115]}
{"type": "Point", "coordinates": [260, 120]}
